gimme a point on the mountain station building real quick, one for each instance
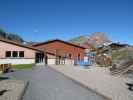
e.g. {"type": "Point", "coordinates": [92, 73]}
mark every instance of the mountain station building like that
{"type": "Point", "coordinates": [63, 52]}
{"type": "Point", "coordinates": [49, 52]}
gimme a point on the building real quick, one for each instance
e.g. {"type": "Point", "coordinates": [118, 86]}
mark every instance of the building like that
{"type": "Point", "coordinates": [15, 53]}
{"type": "Point", "coordinates": [65, 52]}
{"type": "Point", "coordinates": [49, 52]}
{"type": "Point", "coordinates": [116, 46]}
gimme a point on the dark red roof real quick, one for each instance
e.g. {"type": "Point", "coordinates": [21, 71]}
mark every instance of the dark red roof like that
{"type": "Point", "coordinates": [50, 41]}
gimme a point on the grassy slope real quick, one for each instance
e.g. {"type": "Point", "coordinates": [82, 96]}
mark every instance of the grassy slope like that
{"type": "Point", "coordinates": [22, 66]}
{"type": "Point", "coordinates": [121, 54]}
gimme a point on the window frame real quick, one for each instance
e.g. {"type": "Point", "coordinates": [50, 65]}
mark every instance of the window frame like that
{"type": "Point", "coordinates": [79, 56]}
{"type": "Point", "coordinates": [10, 54]}
{"type": "Point", "coordinates": [20, 54]}
{"type": "Point", "coordinates": [16, 55]}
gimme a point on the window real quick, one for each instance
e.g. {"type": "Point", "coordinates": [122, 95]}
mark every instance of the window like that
{"type": "Point", "coordinates": [78, 56]}
{"type": "Point", "coordinates": [21, 53]}
{"type": "Point", "coordinates": [70, 55]}
{"type": "Point", "coordinates": [8, 53]}
{"type": "Point", "coordinates": [14, 54]}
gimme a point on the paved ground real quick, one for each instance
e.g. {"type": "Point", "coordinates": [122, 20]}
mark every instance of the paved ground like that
{"type": "Point", "coordinates": [47, 84]}
{"type": "Point", "coordinates": [99, 80]}
{"type": "Point", "coordinates": [12, 89]}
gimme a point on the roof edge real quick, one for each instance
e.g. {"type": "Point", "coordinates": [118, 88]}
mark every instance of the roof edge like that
{"type": "Point", "coordinates": [66, 42]}
{"type": "Point", "coordinates": [18, 44]}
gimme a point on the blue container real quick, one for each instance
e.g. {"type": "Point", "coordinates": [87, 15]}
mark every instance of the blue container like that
{"type": "Point", "coordinates": [83, 64]}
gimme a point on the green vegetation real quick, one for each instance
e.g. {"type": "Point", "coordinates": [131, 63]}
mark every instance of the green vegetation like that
{"type": "Point", "coordinates": [123, 54]}
{"type": "Point", "coordinates": [22, 66]}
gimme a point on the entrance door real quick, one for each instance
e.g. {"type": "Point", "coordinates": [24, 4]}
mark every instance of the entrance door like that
{"type": "Point", "coordinates": [39, 57]}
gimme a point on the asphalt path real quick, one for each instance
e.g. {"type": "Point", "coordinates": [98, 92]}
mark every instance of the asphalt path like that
{"type": "Point", "coordinates": [47, 84]}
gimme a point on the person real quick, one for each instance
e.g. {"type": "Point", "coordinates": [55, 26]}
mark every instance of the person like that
{"type": "Point", "coordinates": [46, 60]}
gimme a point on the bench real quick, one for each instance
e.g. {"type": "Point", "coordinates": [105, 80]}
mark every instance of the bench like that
{"type": "Point", "coordinates": [5, 67]}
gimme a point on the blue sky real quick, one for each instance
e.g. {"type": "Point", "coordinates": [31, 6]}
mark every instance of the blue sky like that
{"type": "Point", "coordinates": [40, 20]}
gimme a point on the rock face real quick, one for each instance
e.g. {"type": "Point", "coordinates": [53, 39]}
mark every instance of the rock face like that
{"type": "Point", "coordinates": [96, 39]}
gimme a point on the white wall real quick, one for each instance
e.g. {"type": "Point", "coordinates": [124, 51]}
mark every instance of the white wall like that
{"type": "Point", "coordinates": [17, 61]}
{"type": "Point", "coordinates": [51, 61]}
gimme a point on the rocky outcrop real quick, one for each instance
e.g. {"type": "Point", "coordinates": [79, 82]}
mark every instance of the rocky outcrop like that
{"type": "Point", "coordinates": [95, 39]}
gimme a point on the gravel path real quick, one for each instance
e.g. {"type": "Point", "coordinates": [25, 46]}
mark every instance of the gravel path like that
{"type": "Point", "coordinates": [47, 84]}
{"type": "Point", "coordinates": [99, 80]}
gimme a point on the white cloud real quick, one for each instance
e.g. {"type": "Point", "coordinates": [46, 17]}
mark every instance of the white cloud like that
{"type": "Point", "coordinates": [36, 31]}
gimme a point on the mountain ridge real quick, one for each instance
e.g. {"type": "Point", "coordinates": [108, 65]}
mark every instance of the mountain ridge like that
{"type": "Point", "coordinates": [95, 39]}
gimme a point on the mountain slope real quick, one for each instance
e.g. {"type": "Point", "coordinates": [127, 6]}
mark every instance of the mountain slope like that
{"type": "Point", "coordinates": [95, 39]}
{"type": "Point", "coordinates": [10, 36]}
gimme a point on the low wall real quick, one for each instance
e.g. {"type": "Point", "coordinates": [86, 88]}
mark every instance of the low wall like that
{"type": "Point", "coordinates": [17, 61]}
{"type": "Point", "coordinates": [69, 62]}
{"type": "Point", "coordinates": [52, 61]}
